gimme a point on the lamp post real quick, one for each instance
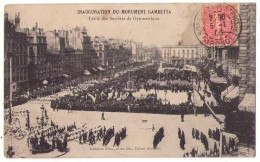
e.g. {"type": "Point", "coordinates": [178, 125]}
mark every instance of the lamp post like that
{"type": "Point", "coordinates": [28, 119]}
{"type": "Point", "coordinates": [42, 122]}
{"type": "Point", "coordinates": [165, 92]}
{"type": "Point", "coordinates": [42, 109]}
{"type": "Point", "coordinates": [47, 119]}
{"type": "Point", "coordinates": [221, 142]}
{"type": "Point", "coordinates": [42, 118]}
{"type": "Point", "coordinates": [37, 119]}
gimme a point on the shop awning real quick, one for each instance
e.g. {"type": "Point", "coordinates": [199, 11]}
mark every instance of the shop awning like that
{"type": "Point", "coordinates": [100, 68]}
{"type": "Point", "coordinates": [218, 80]}
{"type": "Point", "coordinates": [171, 68]}
{"type": "Point", "coordinates": [230, 93]}
{"type": "Point", "coordinates": [225, 92]}
{"type": "Point", "coordinates": [86, 72]}
{"type": "Point", "coordinates": [248, 103]}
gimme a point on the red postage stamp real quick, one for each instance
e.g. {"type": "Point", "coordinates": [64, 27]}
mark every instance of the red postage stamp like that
{"type": "Point", "coordinates": [221, 27]}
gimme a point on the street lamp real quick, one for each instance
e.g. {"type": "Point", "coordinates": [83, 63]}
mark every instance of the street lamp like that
{"type": "Point", "coordinates": [42, 108]}
{"type": "Point", "coordinates": [37, 118]}
{"type": "Point", "coordinates": [28, 119]}
{"type": "Point", "coordinates": [165, 92]}
{"type": "Point", "coordinates": [47, 119]}
{"type": "Point", "coordinates": [42, 123]}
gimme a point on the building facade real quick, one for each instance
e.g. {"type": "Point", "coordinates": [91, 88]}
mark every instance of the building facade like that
{"type": "Point", "coordinates": [137, 51]}
{"type": "Point", "coordinates": [73, 64]}
{"type": "Point", "coordinates": [183, 54]}
{"type": "Point", "coordinates": [247, 50]}
{"type": "Point", "coordinates": [100, 49]}
{"type": "Point", "coordinates": [38, 66]}
{"type": "Point", "coordinates": [119, 52]}
{"type": "Point", "coordinates": [148, 53]}
{"type": "Point", "coordinates": [15, 51]}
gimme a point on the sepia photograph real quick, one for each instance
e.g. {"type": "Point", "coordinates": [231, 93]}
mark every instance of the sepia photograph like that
{"type": "Point", "coordinates": [133, 80]}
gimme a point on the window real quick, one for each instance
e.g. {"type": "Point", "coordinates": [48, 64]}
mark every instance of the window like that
{"type": "Point", "coordinates": [24, 49]}
{"type": "Point", "coordinates": [22, 74]}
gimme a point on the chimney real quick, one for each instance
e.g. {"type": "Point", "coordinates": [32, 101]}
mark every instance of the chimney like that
{"type": "Point", "coordinates": [6, 16]}
{"type": "Point", "coordinates": [36, 25]}
{"type": "Point", "coordinates": [17, 20]}
{"type": "Point", "coordinates": [180, 43]}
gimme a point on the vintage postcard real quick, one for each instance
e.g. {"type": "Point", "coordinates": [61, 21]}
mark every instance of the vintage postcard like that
{"type": "Point", "coordinates": [129, 80]}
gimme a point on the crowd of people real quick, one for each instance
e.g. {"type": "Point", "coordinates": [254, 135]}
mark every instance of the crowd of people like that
{"type": "Point", "coordinates": [92, 135]}
{"type": "Point", "coordinates": [192, 153]}
{"type": "Point", "coordinates": [200, 136]}
{"type": "Point", "coordinates": [47, 139]}
{"type": "Point", "coordinates": [196, 153]}
{"type": "Point", "coordinates": [55, 137]}
{"type": "Point", "coordinates": [181, 136]}
{"type": "Point", "coordinates": [22, 96]}
{"type": "Point", "coordinates": [227, 146]}
{"type": "Point", "coordinates": [108, 135]}
{"type": "Point", "coordinates": [109, 96]}
{"type": "Point", "coordinates": [214, 134]}
{"type": "Point", "coordinates": [120, 136]}
{"type": "Point", "coordinates": [158, 137]}
{"type": "Point", "coordinates": [60, 144]}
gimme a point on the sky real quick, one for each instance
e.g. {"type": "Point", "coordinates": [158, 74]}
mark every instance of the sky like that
{"type": "Point", "coordinates": [169, 30]}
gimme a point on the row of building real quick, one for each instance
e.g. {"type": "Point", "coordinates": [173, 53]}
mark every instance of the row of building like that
{"type": "Point", "coordinates": [239, 61]}
{"type": "Point", "coordinates": [34, 55]}
{"type": "Point", "coordinates": [234, 65]}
